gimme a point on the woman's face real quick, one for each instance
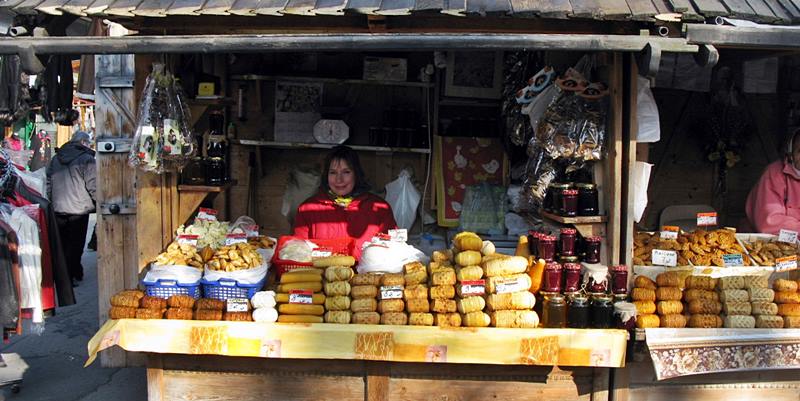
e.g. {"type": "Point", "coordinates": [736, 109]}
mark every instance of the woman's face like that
{"type": "Point", "coordinates": [796, 152]}
{"type": "Point", "coordinates": [341, 178]}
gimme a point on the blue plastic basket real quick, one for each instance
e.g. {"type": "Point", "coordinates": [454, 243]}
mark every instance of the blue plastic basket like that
{"type": "Point", "coordinates": [225, 288]}
{"type": "Point", "coordinates": [166, 288]}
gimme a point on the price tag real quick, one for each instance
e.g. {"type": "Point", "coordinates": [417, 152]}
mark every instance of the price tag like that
{"type": "Point", "coordinates": [669, 232]}
{"type": "Point", "coordinates": [787, 236]}
{"type": "Point", "coordinates": [473, 287]}
{"type": "Point", "coordinates": [186, 239]}
{"type": "Point", "coordinates": [301, 297]}
{"type": "Point", "coordinates": [321, 253]}
{"type": "Point", "coordinates": [706, 219]}
{"type": "Point", "coordinates": [786, 263]}
{"type": "Point", "coordinates": [732, 259]}
{"type": "Point", "coordinates": [231, 239]}
{"type": "Point", "coordinates": [509, 285]}
{"type": "Point", "coordinates": [392, 292]}
{"type": "Point", "coordinates": [206, 214]}
{"type": "Point", "coordinates": [661, 257]}
{"type": "Point", "coordinates": [237, 305]}
{"type": "Point", "coordinates": [400, 235]}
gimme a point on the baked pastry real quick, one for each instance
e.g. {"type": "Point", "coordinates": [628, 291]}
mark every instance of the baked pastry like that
{"type": "Point", "coordinates": [418, 277]}
{"type": "Point", "coordinates": [475, 319]}
{"type": "Point", "coordinates": [469, 273]}
{"type": "Point", "coordinates": [756, 282]}
{"type": "Point", "coordinates": [414, 267]}
{"type": "Point", "coordinates": [673, 321]}
{"type": "Point", "coordinates": [366, 279]}
{"type": "Point", "coordinates": [127, 299]}
{"type": "Point", "coordinates": [791, 322]}
{"type": "Point", "coordinates": [301, 309]}
{"type": "Point", "coordinates": [299, 319]}
{"type": "Point", "coordinates": [470, 304]}
{"type": "Point", "coordinates": [705, 306]}
{"type": "Point", "coordinates": [644, 282]}
{"type": "Point", "coordinates": [761, 294]}
{"type": "Point", "coordinates": [181, 301]}
{"type": "Point", "coordinates": [514, 319]}
{"type": "Point", "coordinates": [302, 276]}
{"type": "Point", "coordinates": [121, 312]}
{"type": "Point", "coordinates": [445, 277]}
{"type": "Point", "coordinates": [364, 291]}
{"type": "Point", "coordinates": [769, 322]}
{"type": "Point", "coordinates": [447, 320]}
{"type": "Point", "coordinates": [364, 305]}
{"type": "Point", "coordinates": [443, 305]}
{"type": "Point", "coordinates": [764, 308]}
{"type": "Point", "coordinates": [149, 302]}
{"type": "Point", "coordinates": [643, 294]}
{"type": "Point", "coordinates": [784, 285]}
{"type": "Point", "coordinates": [444, 255]}
{"type": "Point", "coordinates": [737, 308]}
{"type": "Point", "coordinates": [338, 273]}
{"type": "Point", "coordinates": [208, 314]}
{"type": "Point", "coordinates": [467, 258]}
{"type": "Point", "coordinates": [366, 318]}
{"type": "Point", "coordinates": [179, 314]}
{"type": "Point", "coordinates": [787, 297]}
{"type": "Point", "coordinates": [418, 305]}
{"type": "Point", "coordinates": [417, 291]}
{"type": "Point", "coordinates": [669, 279]}
{"type": "Point", "coordinates": [391, 305]}
{"type": "Point", "coordinates": [522, 300]}
{"type": "Point", "coordinates": [339, 288]}
{"type": "Point", "coordinates": [420, 319]}
{"type": "Point", "coordinates": [648, 321]}
{"type": "Point", "coordinates": [645, 307]}
{"type": "Point", "coordinates": [694, 293]}
{"type": "Point", "coordinates": [394, 318]}
{"type": "Point", "coordinates": [143, 313]}
{"type": "Point", "coordinates": [337, 303]}
{"type": "Point", "coordinates": [734, 296]}
{"type": "Point", "coordinates": [314, 286]}
{"type": "Point", "coordinates": [393, 279]}
{"type": "Point", "coordinates": [443, 292]}
{"type": "Point", "coordinates": [668, 294]}
{"type": "Point", "coordinates": [701, 282]}
{"type": "Point", "coordinates": [789, 309]}
{"type": "Point", "coordinates": [334, 260]}
{"type": "Point", "coordinates": [739, 322]}
{"type": "Point", "coordinates": [705, 321]}
{"type": "Point", "coordinates": [504, 266]}
{"type": "Point", "coordinates": [340, 317]}
{"type": "Point", "coordinates": [730, 283]}
{"type": "Point", "coordinates": [669, 308]}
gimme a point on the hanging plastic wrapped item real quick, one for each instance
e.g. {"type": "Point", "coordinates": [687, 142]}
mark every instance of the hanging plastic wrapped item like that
{"type": "Point", "coordinates": [541, 172]}
{"type": "Point", "coordinates": [163, 140]}
{"type": "Point", "coordinates": [484, 209]}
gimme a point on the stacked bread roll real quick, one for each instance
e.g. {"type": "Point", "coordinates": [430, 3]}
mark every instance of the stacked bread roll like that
{"type": "Point", "coordinates": [469, 295]}
{"type": "Point", "coordinates": [644, 297]}
{"type": "Point", "coordinates": [337, 294]}
{"type": "Point", "coordinates": [391, 305]}
{"type": "Point", "coordinates": [788, 299]}
{"type": "Point", "coordinates": [307, 280]}
{"type": "Point", "coordinates": [211, 309]}
{"type": "Point", "coordinates": [508, 300]}
{"type": "Point", "coordinates": [124, 304]}
{"type": "Point", "coordinates": [415, 294]}
{"type": "Point", "coordinates": [364, 294]}
{"type": "Point", "coordinates": [264, 307]}
{"type": "Point", "coordinates": [669, 293]}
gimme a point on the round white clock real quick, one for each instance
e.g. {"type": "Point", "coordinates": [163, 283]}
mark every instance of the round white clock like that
{"type": "Point", "coordinates": [331, 131]}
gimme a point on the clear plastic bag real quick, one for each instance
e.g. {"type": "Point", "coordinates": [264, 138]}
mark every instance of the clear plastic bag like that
{"type": "Point", "coordinates": [163, 140]}
{"type": "Point", "coordinates": [404, 199]}
{"type": "Point", "coordinates": [484, 209]}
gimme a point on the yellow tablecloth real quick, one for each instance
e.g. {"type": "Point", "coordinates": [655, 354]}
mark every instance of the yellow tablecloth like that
{"type": "Point", "coordinates": [563, 347]}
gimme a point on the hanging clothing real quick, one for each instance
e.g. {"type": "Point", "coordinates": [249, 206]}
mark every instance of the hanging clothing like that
{"type": "Point", "coordinates": [9, 293]}
{"type": "Point", "coordinates": [30, 258]}
{"type": "Point", "coordinates": [58, 86]}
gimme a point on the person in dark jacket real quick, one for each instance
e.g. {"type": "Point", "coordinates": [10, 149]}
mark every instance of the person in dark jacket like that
{"type": "Point", "coordinates": [71, 186]}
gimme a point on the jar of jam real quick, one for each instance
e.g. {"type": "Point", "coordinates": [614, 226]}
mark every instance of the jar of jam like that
{"type": "Point", "coordinates": [215, 171]}
{"type": "Point", "coordinates": [595, 278]}
{"type": "Point", "coordinates": [592, 247]}
{"type": "Point", "coordinates": [572, 277]}
{"type": "Point", "coordinates": [547, 248]}
{"type": "Point", "coordinates": [578, 312]}
{"type": "Point", "coordinates": [620, 298]}
{"type": "Point", "coordinates": [555, 189]}
{"type": "Point", "coordinates": [625, 315]}
{"type": "Point", "coordinates": [587, 200]}
{"type": "Point", "coordinates": [569, 202]}
{"type": "Point", "coordinates": [567, 241]}
{"type": "Point", "coordinates": [552, 277]}
{"type": "Point", "coordinates": [602, 311]}
{"type": "Point", "coordinates": [533, 243]}
{"type": "Point", "coordinates": [554, 310]}
{"type": "Point", "coordinates": [619, 279]}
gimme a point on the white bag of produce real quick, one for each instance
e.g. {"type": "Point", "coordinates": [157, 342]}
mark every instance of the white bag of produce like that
{"type": "Point", "coordinates": [403, 197]}
{"type": "Point", "coordinates": [248, 276]}
{"type": "Point", "coordinates": [182, 274]}
{"type": "Point", "coordinates": [646, 113]}
{"type": "Point", "coordinates": [388, 256]}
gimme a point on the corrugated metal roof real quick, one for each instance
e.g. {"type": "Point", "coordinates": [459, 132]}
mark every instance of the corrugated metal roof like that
{"type": "Point", "coordinates": [763, 11]}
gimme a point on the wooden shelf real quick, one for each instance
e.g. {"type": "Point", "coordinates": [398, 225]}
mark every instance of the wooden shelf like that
{"type": "Point", "coordinates": [574, 220]}
{"type": "Point", "coordinates": [338, 81]}
{"type": "Point", "coordinates": [293, 145]}
{"type": "Point", "coordinates": [206, 188]}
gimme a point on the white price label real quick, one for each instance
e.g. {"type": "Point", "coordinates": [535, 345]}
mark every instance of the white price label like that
{"type": "Point", "coordinates": [231, 239]}
{"type": "Point", "coordinates": [509, 285]}
{"type": "Point", "coordinates": [400, 235]}
{"type": "Point", "coordinates": [661, 257]}
{"type": "Point", "coordinates": [187, 240]}
{"type": "Point", "coordinates": [301, 297]}
{"type": "Point", "coordinates": [732, 259]}
{"type": "Point", "coordinates": [237, 305]}
{"type": "Point", "coordinates": [321, 253]}
{"type": "Point", "coordinates": [786, 263]}
{"type": "Point", "coordinates": [788, 236]}
{"type": "Point", "coordinates": [706, 219]}
{"type": "Point", "coordinates": [392, 292]}
{"type": "Point", "coordinates": [206, 214]}
{"type": "Point", "coordinates": [473, 287]}
{"type": "Point", "coordinates": [669, 232]}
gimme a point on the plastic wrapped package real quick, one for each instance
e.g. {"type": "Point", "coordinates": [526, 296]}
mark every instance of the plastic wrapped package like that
{"type": "Point", "coordinates": [484, 209]}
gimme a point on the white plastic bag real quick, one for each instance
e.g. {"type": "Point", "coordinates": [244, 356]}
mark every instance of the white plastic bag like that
{"type": "Point", "coordinates": [249, 276]}
{"type": "Point", "coordinates": [404, 198]}
{"type": "Point", "coordinates": [181, 274]}
{"type": "Point", "coordinates": [649, 128]}
{"type": "Point", "coordinates": [535, 109]}
{"type": "Point", "coordinates": [388, 256]}
{"type": "Point", "coordinates": [300, 186]}
{"type": "Point", "coordinates": [641, 180]}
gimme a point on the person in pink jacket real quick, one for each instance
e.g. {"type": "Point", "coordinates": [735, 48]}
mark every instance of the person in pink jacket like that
{"type": "Point", "coordinates": [774, 203]}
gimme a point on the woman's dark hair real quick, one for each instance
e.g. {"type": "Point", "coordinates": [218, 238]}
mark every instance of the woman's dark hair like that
{"type": "Point", "coordinates": [350, 156]}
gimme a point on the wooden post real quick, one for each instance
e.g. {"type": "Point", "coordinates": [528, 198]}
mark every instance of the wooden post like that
{"type": "Point", "coordinates": [630, 128]}
{"type": "Point", "coordinates": [614, 160]}
{"type": "Point", "coordinates": [155, 377]}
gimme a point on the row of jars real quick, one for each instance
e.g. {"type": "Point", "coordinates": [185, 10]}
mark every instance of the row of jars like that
{"type": "Point", "coordinates": [581, 311]}
{"type": "Point", "coordinates": [571, 199]}
{"type": "Point", "coordinates": [593, 278]}
{"type": "Point", "coordinates": [569, 247]}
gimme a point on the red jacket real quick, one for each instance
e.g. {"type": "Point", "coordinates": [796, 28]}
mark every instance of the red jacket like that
{"type": "Point", "coordinates": [365, 216]}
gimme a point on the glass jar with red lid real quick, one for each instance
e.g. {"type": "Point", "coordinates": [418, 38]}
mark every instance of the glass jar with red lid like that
{"type": "Point", "coordinates": [595, 278]}
{"type": "Point", "coordinates": [587, 199]}
{"type": "Point", "coordinates": [567, 241]}
{"type": "Point", "coordinates": [592, 249]}
{"type": "Point", "coordinates": [619, 279]}
{"type": "Point", "coordinates": [572, 277]}
{"type": "Point", "coordinates": [533, 243]}
{"type": "Point", "coordinates": [547, 248]}
{"type": "Point", "coordinates": [569, 202]}
{"type": "Point", "coordinates": [552, 277]}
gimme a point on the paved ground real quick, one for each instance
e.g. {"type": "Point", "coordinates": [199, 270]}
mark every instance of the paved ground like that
{"type": "Point", "coordinates": [53, 362]}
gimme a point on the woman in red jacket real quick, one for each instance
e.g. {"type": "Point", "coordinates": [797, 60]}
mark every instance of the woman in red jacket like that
{"type": "Point", "coordinates": [343, 207]}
